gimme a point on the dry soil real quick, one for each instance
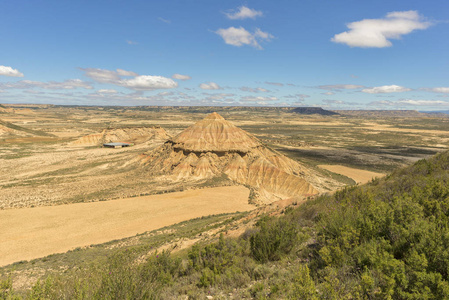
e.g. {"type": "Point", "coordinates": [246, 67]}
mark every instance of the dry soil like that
{"type": "Point", "coordinates": [30, 233]}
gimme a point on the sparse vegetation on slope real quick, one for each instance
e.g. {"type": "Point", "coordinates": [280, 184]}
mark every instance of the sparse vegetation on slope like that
{"type": "Point", "coordinates": [24, 130]}
{"type": "Point", "coordinates": [384, 240]}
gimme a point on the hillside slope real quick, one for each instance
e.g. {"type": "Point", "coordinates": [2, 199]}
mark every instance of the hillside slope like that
{"type": "Point", "coordinates": [214, 147]}
{"type": "Point", "coordinates": [131, 135]}
{"type": "Point", "coordinates": [385, 240]}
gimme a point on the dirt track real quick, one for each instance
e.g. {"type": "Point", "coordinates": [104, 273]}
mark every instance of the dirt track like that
{"type": "Point", "coordinates": [30, 233]}
{"type": "Point", "coordinates": [359, 176]}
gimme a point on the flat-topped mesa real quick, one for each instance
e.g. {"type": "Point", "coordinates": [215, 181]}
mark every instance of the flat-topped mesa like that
{"type": "Point", "coordinates": [214, 134]}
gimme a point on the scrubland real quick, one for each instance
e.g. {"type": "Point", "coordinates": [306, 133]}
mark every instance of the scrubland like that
{"type": "Point", "coordinates": [365, 242]}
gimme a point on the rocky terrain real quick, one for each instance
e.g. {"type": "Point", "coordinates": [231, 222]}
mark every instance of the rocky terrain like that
{"type": "Point", "coordinates": [213, 147]}
{"type": "Point", "coordinates": [135, 135]}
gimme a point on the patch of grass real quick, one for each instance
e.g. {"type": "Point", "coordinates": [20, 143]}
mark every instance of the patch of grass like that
{"type": "Point", "coordinates": [19, 128]}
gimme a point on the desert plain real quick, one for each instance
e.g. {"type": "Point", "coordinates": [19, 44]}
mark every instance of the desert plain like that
{"type": "Point", "coordinates": [60, 190]}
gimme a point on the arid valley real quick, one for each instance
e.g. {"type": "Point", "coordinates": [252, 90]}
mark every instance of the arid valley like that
{"type": "Point", "coordinates": [62, 191]}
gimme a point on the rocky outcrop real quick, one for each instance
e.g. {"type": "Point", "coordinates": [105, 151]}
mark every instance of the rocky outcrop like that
{"type": "Point", "coordinates": [213, 147]}
{"type": "Point", "coordinates": [130, 135]}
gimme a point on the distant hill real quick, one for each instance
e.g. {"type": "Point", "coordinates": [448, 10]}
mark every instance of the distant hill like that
{"type": "Point", "coordinates": [436, 112]}
{"type": "Point", "coordinates": [313, 111]}
{"type": "Point", "coordinates": [383, 113]}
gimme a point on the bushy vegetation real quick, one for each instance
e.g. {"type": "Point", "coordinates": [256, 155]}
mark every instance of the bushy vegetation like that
{"type": "Point", "coordinates": [385, 240]}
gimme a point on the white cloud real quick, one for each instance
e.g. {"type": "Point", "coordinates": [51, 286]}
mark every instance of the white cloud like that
{"type": "Point", "coordinates": [218, 97]}
{"type": "Point", "coordinates": [164, 20]}
{"type": "Point", "coordinates": [438, 90]}
{"type": "Point", "coordinates": [327, 101]}
{"type": "Point", "coordinates": [336, 87]}
{"type": "Point", "coordinates": [129, 42]}
{"type": "Point", "coordinates": [138, 82]}
{"type": "Point", "coordinates": [381, 103]}
{"type": "Point", "coordinates": [240, 36]}
{"type": "Point", "coordinates": [102, 76]}
{"type": "Point", "coordinates": [210, 86]}
{"type": "Point", "coordinates": [257, 99]}
{"type": "Point", "coordinates": [409, 102]}
{"type": "Point", "coordinates": [104, 91]}
{"type": "Point", "coordinates": [329, 93]}
{"type": "Point", "coordinates": [243, 12]}
{"type": "Point", "coordinates": [274, 83]}
{"type": "Point", "coordinates": [10, 72]}
{"type": "Point", "coordinates": [376, 33]}
{"type": "Point", "coordinates": [51, 85]}
{"type": "Point", "coordinates": [299, 97]}
{"type": "Point", "coordinates": [181, 77]}
{"type": "Point", "coordinates": [253, 90]}
{"type": "Point", "coordinates": [121, 72]}
{"type": "Point", "coordinates": [422, 102]}
{"type": "Point", "coordinates": [386, 89]}
{"type": "Point", "coordinates": [147, 82]}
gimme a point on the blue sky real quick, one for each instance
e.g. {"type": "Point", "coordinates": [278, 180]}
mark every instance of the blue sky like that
{"type": "Point", "coordinates": [346, 54]}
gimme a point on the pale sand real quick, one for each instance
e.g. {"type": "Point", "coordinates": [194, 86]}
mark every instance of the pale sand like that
{"type": "Point", "coordinates": [359, 176]}
{"type": "Point", "coordinates": [30, 233]}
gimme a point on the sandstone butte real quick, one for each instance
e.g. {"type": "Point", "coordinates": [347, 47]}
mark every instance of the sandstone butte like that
{"type": "Point", "coordinates": [134, 135]}
{"type": "Point", "coordinates": [213, 147]}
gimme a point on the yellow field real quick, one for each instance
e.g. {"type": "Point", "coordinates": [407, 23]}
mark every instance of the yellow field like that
{"type": "Point", "coordinates": [30, 233]}
{"type": "Point", "coordinates": [359, 176]}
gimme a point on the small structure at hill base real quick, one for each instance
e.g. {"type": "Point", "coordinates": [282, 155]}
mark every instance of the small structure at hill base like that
{"type": "Point", "coordinates": [116, 145]}
{"type": "Point", "coordinates": [215, 147]}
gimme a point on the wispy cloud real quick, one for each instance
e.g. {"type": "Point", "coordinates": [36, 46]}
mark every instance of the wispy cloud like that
{"type": "Point", "coordinates": [164, 20]}
{"type": "Point", "coordinates": [274, 83]}
{"type": "Point", "coordinates": [386, 89]}
{"type": "Point", "coordinates": [129, 42]}
{"type": "Point", "coordinates": [107, 91]}
{"type": "Point", "coordinates": [257, 99]}
{"type": "Point", "coordinates": [240, 36]}
{"type": "Point", "coordinates": [300, 97]}
{"type": "Point", "coordinates": [138, 82]}
{"type": "Point", "coordinates": [106, 76]}
{"type": "Point", "coordinates": [437, 90]}
{"type": "Point", "coordinates": [243, 12]}
{"type": "Point", "coordinates": [181, 77]}
{"type": "Point", "coordinates": [253, 90]}
{"type": "Point", "coordinates": [10, 72]}
{"type": "Point", "coordinates": [422, 102]}
{"type": "Point", "coordinates": [69, 84]}
{"type": "Point", "coordinates": [337, 87]}
{"type": "Point", "coordinates": [377, 33]}
{"type": "Point", "coordinates": [210, 86]}
{"type": "Point", "coordinates": [218, 96]}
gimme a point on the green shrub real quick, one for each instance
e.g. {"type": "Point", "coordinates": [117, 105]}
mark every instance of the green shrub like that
{"type": "Point", "coordinates": [276, 237]}
{"type": "Point", "coordinates": [303, 286]}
